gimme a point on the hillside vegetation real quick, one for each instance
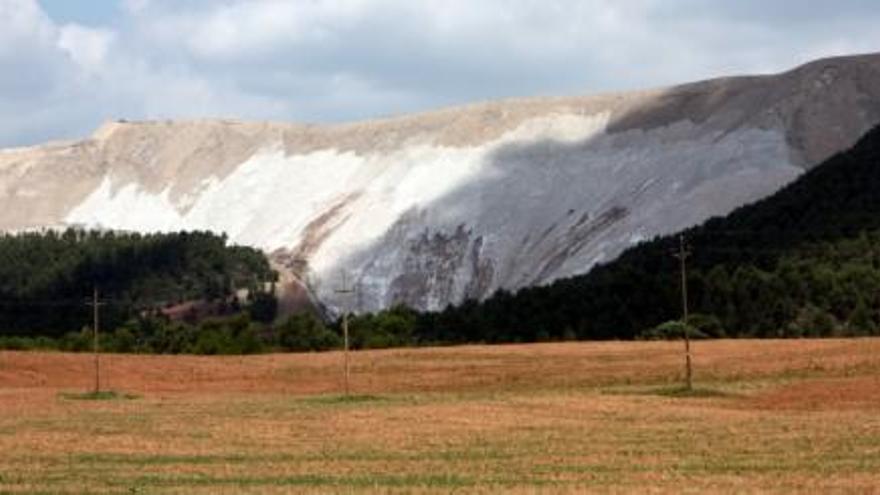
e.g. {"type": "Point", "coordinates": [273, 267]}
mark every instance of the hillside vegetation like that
{"type": "Point", "coordinates": [47, 278]}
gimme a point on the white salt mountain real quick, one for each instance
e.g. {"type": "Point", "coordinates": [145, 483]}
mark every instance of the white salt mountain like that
{"type": "Point", "coordinates": [434, 208]}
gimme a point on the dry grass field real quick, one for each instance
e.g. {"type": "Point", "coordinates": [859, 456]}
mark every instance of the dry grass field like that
{"type": "Point", "coordinates": [781, 416]}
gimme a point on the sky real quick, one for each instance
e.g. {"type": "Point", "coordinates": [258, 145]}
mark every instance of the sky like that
{"type": "Point", "coordinates": [70, 65]}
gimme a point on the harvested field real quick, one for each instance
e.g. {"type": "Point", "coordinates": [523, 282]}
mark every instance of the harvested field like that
{"type": "Point", "coordinates": [558, 418]}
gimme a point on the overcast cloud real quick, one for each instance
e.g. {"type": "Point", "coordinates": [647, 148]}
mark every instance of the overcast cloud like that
{"type": "Point", "coordinates": [335, 60]}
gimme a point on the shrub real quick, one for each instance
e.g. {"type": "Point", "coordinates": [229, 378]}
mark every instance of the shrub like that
{"type": "Point", "coordinates": [122, 340]}
{"type": "Point", "coordinates": [812, 321]}
{"type": "Point", "coordinates": [28, 343]}
{"type": "Point", "coordinates": [263, 307]}
{"type": "Point", "coordinates": [77, 341]}
{"type": "Point", "coordinates": [672, 330]}
{"type": "Point", "coordinates": [710, 325]}
{"type": "Point", "coordinates": [392, 328]}
{"type": "Point", "coordinates": [305, 332]}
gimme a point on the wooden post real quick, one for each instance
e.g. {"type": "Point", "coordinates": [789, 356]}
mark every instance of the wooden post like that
{"type": "Point", "coordinates": [682, 256]}
{"type": "Point", "coordinates": [96, 346]}
{"type": "Point", "coordinates": [345, 352]}
{"type": "Point", "coordinates": [345, 290]}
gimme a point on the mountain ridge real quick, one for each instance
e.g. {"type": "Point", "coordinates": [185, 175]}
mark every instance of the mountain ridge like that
{"type": "Point", "coordinates": [434, 208]}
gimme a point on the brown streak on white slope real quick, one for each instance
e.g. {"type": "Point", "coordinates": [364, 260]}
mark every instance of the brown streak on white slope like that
{"type": "Point", "coordinates": [292, 265]}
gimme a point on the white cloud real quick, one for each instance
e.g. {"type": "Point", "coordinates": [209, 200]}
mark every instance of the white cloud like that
{"type": "Point", "coordinates": [239, 30]}
{"type": "Point", "coordinates": [23, 20]}
{"type": "Point", "coordinates": [87, 47]}
{"type": "Point", "coordinates": [135, 6]}
{"type": "Point", "coordinates": [330, 60]}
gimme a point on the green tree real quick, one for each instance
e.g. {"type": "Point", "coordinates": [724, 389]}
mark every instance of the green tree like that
{"type": "Point", "coordinates": [861, 321]}
{"type": "Point", "coordinates": [305, 332]}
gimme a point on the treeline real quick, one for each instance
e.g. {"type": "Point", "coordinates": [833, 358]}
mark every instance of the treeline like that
{"type": "Point", "coordinates": [48, 277]}
{"type": "Point", "coordinates": [237, 333]}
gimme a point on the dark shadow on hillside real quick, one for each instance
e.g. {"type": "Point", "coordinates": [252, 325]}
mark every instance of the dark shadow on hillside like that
{"type": "Point", "coordinates": [539, 210]}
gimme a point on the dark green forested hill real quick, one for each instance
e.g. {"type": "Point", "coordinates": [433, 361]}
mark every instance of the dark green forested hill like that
{"type": "Point", "coordinates": [805, 261]}
{"type": "Point", "coordinates": [47, 277]}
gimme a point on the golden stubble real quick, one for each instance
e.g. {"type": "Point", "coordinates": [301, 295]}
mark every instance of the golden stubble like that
{"type": "Point", "coordinates": [787, 416]}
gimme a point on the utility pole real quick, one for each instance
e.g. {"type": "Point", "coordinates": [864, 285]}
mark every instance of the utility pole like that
{"type": "Point", "coordinates": [96, 348]}
{"type": "Point", "coordinates": [682, 255]}
{"type": "Point", "coordinates": [345, 290]}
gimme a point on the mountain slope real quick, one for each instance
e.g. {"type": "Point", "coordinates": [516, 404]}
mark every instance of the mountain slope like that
{"type": "Point", "coordinates": [805, 261]}
{"type": "Point", "coordinates": [435, 208]}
